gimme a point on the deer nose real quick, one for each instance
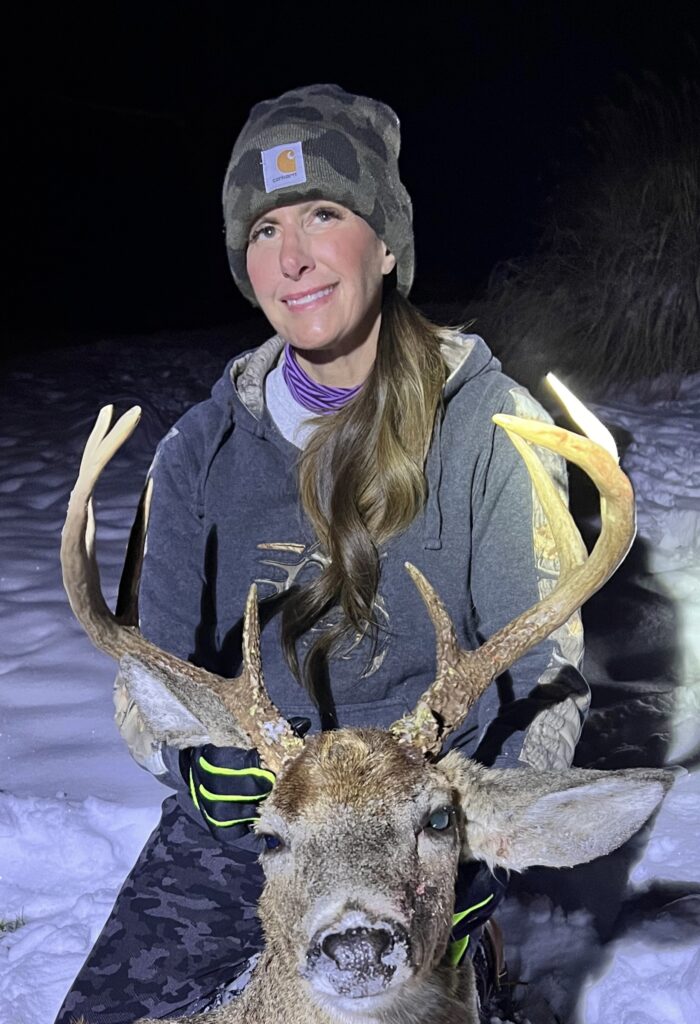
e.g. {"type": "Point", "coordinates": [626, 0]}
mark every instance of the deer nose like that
{"type": "Point", "coordinates": [358, 948]}
{"type": "Point", "coordinates": [358, 956]}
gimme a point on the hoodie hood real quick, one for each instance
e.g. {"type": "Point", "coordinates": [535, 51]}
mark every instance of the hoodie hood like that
{"type": "Point", "coordinates": [465, 355]}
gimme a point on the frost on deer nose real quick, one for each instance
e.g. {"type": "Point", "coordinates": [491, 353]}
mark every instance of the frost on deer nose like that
{"type": "Point", "coordinates": [358, 961]}
{"type": "Point", "coordinates": [358, 948]}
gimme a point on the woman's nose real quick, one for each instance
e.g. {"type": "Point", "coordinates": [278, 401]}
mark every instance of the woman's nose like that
{"type": "Point", "coordinates": [295, 255]}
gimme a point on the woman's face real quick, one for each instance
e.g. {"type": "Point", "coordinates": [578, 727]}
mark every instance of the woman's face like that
{"type": "Point", "coordinates": [317, 269]}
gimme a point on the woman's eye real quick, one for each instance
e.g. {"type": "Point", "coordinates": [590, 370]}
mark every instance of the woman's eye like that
{"type": "Point", "coordinates": [264, 231]}
{"type": "Point", "coordinates": [272, 842]}
{"type": "Point", "coordinates": [326, 214]}
{"type": "Point", "coordinates": [441, 819]}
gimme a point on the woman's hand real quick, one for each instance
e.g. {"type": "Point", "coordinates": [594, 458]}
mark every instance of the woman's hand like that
{"type": "Point", "coordinates": [228, 784]}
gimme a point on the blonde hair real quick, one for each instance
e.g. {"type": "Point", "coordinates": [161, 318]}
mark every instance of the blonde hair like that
{"type": "Point", "coordinates": [361, 482]}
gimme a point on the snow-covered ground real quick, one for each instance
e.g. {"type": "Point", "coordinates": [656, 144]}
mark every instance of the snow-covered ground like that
{"type": "Point", "coordinates": [612, 943]}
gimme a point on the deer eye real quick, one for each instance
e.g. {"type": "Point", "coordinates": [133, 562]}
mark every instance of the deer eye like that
{"type": "Point", "coordinates": [272, 842]}
{"type": "Point", "coordinates": [440, 820]}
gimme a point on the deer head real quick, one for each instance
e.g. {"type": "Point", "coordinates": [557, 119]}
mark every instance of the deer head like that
{"type": "Point", "coordinates": [363, 839]}
{"type": "Point", "coordinates": [364, 830]}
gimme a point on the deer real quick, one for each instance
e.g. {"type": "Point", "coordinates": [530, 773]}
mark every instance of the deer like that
{"type": "Point", "coordinates": [364, 829]}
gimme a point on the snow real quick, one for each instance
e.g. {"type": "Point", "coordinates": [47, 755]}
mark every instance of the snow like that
{"type": "Point", "coordinates": [75, 810]}
{"type": "Point", "coordinates": [62, 863]}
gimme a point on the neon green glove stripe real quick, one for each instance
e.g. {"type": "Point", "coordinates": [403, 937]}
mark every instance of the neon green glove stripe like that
{"type": "Point", "coordinates": [193, 791]}
{"type": "Point", "coordinates": [457, 950]}
{"type": "Point", "coordinates": [259, 773]}
{"type": "Point", "coordinates": [456, 918]}
{"type": "Point", "coordinates": [230, 798]}
{"type": "Point", "coordinates": [226, 824]}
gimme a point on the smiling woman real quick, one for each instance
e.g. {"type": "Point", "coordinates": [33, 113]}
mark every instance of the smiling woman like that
{"type": "Point", "coordinates": [317, 271]}
{"type": "Point", "coordinates": [357, 438]}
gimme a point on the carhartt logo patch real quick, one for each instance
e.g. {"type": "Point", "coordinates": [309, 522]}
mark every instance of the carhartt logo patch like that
{"type": "Point", "coordinates": [283, 166]}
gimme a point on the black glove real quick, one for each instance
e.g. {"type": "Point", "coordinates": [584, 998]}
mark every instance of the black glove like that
{"type": "Point", "coordinates": [227, 784]}
{"type": "Point", "coordinates": [478, 891]}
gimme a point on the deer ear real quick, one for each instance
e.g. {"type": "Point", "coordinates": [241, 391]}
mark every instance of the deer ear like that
{"type": "Point", "coordinates": [179, 709]}
{"type": "Point", "coordinates": [519, 818]}
{"type": "Point", "coordinates": [167, 719]}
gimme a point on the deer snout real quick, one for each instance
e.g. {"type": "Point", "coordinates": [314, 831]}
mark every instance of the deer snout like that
{"type": "Point", "coordinates": [358, 957]}
{"type": "Point", "coordinates": [357, 946]}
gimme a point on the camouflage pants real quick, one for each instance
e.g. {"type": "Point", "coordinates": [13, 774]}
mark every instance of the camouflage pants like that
{"type": "Point", "coordinates": [183, 927]}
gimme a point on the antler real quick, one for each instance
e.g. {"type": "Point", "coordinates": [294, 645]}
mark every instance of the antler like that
{"type": "Point", "coordinates": [233, 711]}
{"type": "Point", "coordinates": [462, 676]}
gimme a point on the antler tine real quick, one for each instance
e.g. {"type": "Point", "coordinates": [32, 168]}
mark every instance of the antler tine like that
{"type": "Point", "coordinates": [462, 676]}
{"type": "Point", "coordinates": [232, 711]}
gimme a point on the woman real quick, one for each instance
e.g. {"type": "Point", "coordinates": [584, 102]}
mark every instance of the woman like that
{"type": "Point", "coordinates": [358, 437]}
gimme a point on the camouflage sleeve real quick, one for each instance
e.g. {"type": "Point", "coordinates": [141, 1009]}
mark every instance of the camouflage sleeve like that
{"type": "Point", "coordinates": [535, 712]}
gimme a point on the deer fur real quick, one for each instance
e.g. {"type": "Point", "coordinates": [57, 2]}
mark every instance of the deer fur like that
{"type": "Point", "coordinates": [352, 812]}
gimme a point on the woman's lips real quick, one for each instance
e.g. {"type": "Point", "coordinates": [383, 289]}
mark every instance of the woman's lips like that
{"type": "Point", "coordinates": [304, 300]}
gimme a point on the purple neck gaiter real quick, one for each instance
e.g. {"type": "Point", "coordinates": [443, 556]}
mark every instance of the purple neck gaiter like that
{"type": "Point", "coordinates": [307, 392]}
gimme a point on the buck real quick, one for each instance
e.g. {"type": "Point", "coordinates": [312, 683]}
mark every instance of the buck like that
{"type": "Point", "coordinates": [364, 829]}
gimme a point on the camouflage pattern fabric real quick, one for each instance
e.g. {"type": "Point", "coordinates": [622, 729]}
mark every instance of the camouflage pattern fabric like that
{"type": "Point", "coordinates": [332, 145]}
{"type": "Point", "coordinates": [183, 928]}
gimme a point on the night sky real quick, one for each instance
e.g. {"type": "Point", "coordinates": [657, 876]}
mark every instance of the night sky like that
{"type": "Point", "coordinates": [120, 119]}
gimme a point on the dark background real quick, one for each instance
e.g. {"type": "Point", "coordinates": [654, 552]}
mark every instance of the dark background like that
{"type": "Point", "coordinates": [120, 119]}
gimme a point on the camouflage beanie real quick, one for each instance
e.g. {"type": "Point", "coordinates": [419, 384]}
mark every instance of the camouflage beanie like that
{"type": "Point", "coordinates": [319, 142]}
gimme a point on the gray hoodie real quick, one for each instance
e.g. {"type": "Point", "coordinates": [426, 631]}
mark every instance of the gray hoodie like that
{"type": "Point", "coordinates": [226, 512]}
